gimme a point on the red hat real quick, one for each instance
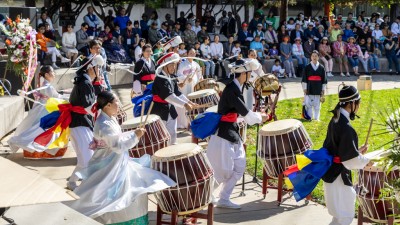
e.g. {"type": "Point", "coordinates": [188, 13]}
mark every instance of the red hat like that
{"type": "Point", "coordinates": [245, 25]}
{"type": "Point", "coordinates": [167, 58]}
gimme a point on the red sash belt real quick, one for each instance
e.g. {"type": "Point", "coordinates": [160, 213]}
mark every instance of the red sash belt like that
{"type": "Point", "coordinates": [148, 77]}
{"type": "Point", "coordinates": [97, 83]}
{"type": "Point", "coordinates": [230, 117]}
{"type": "Point", "coordinates": [314, 78]}
{"type": "Point", "coordinates": [63, 121]}
{"type": "Point", "coordinates": [336, 159]}
{"type": "Point", "coordinates": [158, 99]}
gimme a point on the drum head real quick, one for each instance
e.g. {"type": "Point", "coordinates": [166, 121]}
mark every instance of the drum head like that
{"type": "Point", "coordinates": [280, 127]}
{"type": "Point", "coordinates": [212, 109]}
{"type": "Point", "coordinates": [135, 122]}
{"type": "Point", "coordinates": [201, 93]}
{"type": "Point", "coordinates": [266, 83]}
{"type": "Point", "coordinates": [221, 86]}
{"type": "Point", "coordinates": [176, 152]}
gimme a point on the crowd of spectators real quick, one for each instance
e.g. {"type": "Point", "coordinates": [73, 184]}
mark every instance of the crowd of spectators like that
{"type": "Point", "coordinates": [350, 42]}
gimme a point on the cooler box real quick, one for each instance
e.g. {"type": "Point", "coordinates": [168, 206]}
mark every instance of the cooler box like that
{"type": "Point", "coordinates": [364, 82]}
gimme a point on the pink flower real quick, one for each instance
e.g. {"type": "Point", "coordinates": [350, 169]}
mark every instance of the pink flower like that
{"type": "Point", "coordinates": [24, 54]}
{"type": "Point", "coordinates": [20, 46]}
{"type": "Point", "coordinates": [28, 37]}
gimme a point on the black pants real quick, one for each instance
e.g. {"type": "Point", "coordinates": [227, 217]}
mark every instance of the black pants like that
{"type": "Point", "coordinates": [219, 64]}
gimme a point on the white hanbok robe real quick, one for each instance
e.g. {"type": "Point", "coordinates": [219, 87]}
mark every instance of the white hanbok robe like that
{"type": "Point", "coordinates": [113, 181]}
{"type": "Point", "coordinates": [186, 69]}
{"type": "Point", "coordinates": [248, 92]}
{"type": "Point", "coordinates": [30, 128]}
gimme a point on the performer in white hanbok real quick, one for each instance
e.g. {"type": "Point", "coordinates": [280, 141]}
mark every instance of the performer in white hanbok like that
{"type": "Point", "coordinates": [114, 187]}
{"type": "Point", "coordinates": [225, 149]}
{"type": "Point", "coordinates": [30, 128]}
{"type": "Point", "coordinates": [342, 142]}
{"type": "Point", "coordinates": [256, 73]}
{"type": "Point", "coordinates": [189, 73]}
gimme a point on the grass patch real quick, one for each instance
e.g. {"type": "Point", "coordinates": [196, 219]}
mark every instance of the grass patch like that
{"type": "Point", "coordinates": [372, 102]}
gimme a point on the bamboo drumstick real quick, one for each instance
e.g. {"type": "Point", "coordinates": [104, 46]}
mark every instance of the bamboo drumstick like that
{"type": "Point", "coordinates": [148, 113]}
{"type": "Point", "coordinates": [142, 113]}
{"type": "Point", "coordinates": [369, 131]}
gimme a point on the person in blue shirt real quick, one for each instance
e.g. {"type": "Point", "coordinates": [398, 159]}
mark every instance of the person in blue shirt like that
{"type": "Point", "coordinates": [144, 27]}
{"type": "Point", "coordinates": [130, 39]}
{"type": "Point", "coordinates": [244, 34]}
{"type": "Point", "coordinates": [257, 45]}
{"type": "Point", "coordinates": [121, 19]}
{"type": "Point", "coordinates": [310, 31]}
{"type": "Point", "coordinates": [347, 32]}
{"type": "Point", "coordinates": [92, 20]}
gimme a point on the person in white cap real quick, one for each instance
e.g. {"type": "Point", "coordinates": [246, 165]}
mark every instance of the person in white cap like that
{"type": "Point", "coordinates": [189, 73]}
{"type": "Point", "coordinates": [225, 149]}
{"type": "Point", "coordinates": [81, 126]}
{"type": "Point", "coordinates": [166, 94]}
{"type": "Point", "coordinates": [259, 32]}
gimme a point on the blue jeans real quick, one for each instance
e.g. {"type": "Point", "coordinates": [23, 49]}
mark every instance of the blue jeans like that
{"type": "Point", "coordinates": [373, 62]}
{"type": "Point", "coordinates": [393, 59]}
{"type": "Point", "coordinates": [210, 69]}
{"type": "Point", "coordinates": [353, 62]}
{"type": "Point", "coordinates": [301, 61]}
{"type": "Point", "coordinates": [105, 75]}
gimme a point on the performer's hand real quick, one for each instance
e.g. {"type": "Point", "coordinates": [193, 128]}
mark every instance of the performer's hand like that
{"type": "Point", "coordinates": [305, 92]}
{"type": "Point", "coordinates": [371, 163]}
{"type": "Point", "coordinates": [190, 80]}
{"type": "Point", "coordinates": [264, 117]}
{"type": "Point", "coordinates": [322, 92]}
{"type": "Point", "coordinates": [363, 149]}
{"type": "Point", "coordinates": [143, 87]}
{"type": "Point", "coordinates": [188, 106]}
{"type": "Point", "coordinates": [181, 85]}
{"type": "Point", "coordinates": [140, 132]}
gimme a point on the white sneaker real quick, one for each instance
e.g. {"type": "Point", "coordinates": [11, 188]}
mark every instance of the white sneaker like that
{"type": "Point", "coordinates": [348, 74]}
{"type": "Point", "coordinates": [342, 75]}
{"type": "Point", "coordinates": [294, 76]}
{"type": "Point", "coordinates": [214, 200]}
{"type": "Point", "coordinates": [290, 75]}
{"type": "Point", "coordinates": [227, 204]}
{"type": "Point", "coordinates": [330, 74]}
{"type": "Point", "coordinates": [65, 60]}
{"type": "Point", "coordinates": [55, 66]}
{"type": "Point", "coordinates": [71, 185]}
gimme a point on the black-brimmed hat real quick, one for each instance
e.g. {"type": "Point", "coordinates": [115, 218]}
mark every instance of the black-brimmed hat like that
{"type": "Point", "coordinates": [348, 94]}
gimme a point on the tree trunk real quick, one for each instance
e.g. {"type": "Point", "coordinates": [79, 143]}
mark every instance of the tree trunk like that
{"type": "Point", "coordinates": [246, 13]}
{"type": "Point", "coordinates": [199, 10]}
{"type": "Point", "coordinates": [327, 8]}
{"type": "Point", "coordinates": [47, 3]}
{"type": "Point", "coordinates": [284, 10]}
{"type": "Point", "coordinates": [30, 3]}
{"type": "Point", "coordinates": [394, 11]}
{"type": "Point", "coordinates": [307, 9]}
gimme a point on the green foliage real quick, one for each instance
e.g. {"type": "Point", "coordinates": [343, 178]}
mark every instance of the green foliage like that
{"type": "Point", "coordinates": [372, 104]}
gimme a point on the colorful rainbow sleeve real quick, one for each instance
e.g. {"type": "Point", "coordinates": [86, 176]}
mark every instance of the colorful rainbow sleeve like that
{"type": "Point", "coordinates": [305, 175]}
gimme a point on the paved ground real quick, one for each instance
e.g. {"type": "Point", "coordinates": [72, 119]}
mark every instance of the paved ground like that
{"type": "Point", "coordinates": [255, 209]}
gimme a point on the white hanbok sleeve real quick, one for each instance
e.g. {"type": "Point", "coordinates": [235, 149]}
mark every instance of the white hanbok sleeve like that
{"type": "Point", "coordinates": [176, 101]}
{"type": "Point", "coordinates": [253, 117]}
{"type": "Point", "coordinates": [358, 162]}
{"type": "Point", "coordinates": [116, 141]}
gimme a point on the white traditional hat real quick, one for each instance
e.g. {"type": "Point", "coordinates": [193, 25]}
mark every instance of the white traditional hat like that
{"type": "Point", "coordinates": [172, 56]}
{"type": "Point", "coordinates": [96, 61]}
{"type": "Point", "coordinates": [174, 42]}
{"type": "Point", "coordinates": [243, 65]}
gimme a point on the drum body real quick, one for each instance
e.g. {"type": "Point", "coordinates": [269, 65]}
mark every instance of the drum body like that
{"type": "Point", "coordinates": [189, 167]}
{"type": "Point", "coordinates": [207, 97]}
{"type": "Point", "coordinates": [266, 84]}
{"type": "Point", "coordinates": [279, 142]}
{"type": "Point", "coordinates": [208, 83]}
{"type": "Point", "coordinates": [155, 138]}
{"type": "Point", "coordinates": [371, 180]}
{"type": "Point", "coordinates": [44, 155]}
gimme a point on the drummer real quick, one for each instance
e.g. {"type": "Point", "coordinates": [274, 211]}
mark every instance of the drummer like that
{"type": "Point", "coordinates": [225, 149]}
{"type": "Point", "coordinates": [256, 73]}
{"type": "Point", "coordinates": [189, 73]}
{"type": "Point", "coordinates": [342, 142]}
{"type": "Point", "coordinates": [144, 70]}
{"type": "Point", "coordinates": [166, 94]}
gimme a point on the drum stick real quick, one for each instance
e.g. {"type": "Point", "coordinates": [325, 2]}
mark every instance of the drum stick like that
{"type": "Point", "coordinates": [148, 113]}
{"type": "Point", "coordinates": [202, 106]}
{"type": "Point", "coordinates": [142, 113]}
{"type": "Point", "coordinates": [369, 131]}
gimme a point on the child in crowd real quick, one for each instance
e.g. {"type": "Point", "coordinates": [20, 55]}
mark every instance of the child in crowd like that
{"type": "Point", "coordinates": [277, 69]}
{"type": "Point", "coordinates": [266, 49]}
{"type": "Point", "coordinates": [273, 52]}
{"type": "Point", "coordinates": [182, 51]}
{"type": "Point", "coordinates": [236, 49]}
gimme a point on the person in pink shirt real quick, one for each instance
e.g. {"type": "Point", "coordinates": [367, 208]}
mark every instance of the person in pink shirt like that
{"type": "Point", "coordinates": [339, 52]}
